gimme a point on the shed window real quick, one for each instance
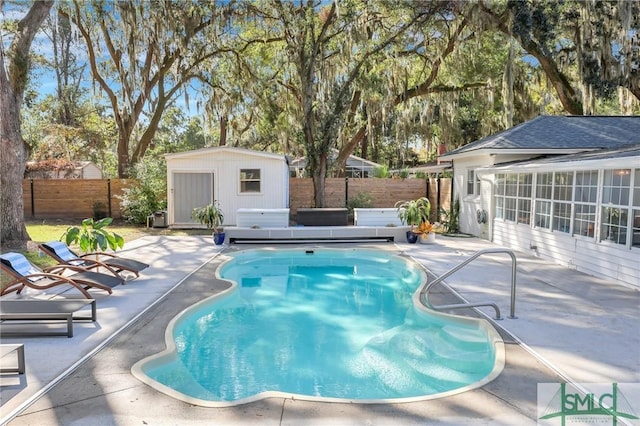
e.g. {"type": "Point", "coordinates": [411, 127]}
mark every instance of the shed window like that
{"type": "Point", "coordinates": [250, 180]}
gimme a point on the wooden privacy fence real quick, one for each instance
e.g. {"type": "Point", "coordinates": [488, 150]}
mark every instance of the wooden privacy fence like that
{"type": "Point", "coordinates": [383, 192]}
{"type": "Point", "coordinates": [72, 198]}
{"type": "Point", "coordinates": [75, 198]}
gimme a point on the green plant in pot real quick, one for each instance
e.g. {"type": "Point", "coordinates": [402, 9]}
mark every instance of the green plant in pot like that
{"type": "Point", "coordinates": [413, 213]}
{"type": "Point", "coordinates": [212, 217]}
{"type": "Point", "coordinates": [92, 235]}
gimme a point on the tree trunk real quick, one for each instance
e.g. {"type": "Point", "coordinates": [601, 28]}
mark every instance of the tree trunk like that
{"type": "Point", "coordinates": [14, 155]}
{"type": "Point", "coordinates": [123, 156]}
{"type": "Point", "coordinates": [223, 131]}
{"type": "Point", "coordinates": [13, 150]}
{"type": "Point", "coordinates": [319, 175]}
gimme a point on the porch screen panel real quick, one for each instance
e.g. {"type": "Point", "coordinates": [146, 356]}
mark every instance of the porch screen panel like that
{"type": "Point", "coordinates": [615, 206]}
{"type": "Point", "coordinates": [544, 190]}
{"type": "Point", "coordinates": [190, 190]}
{"type": "Point", "coordinates": [585, 199]}
{"type": "Point", "coordinates": [635, 224]}
{"type": "Point", "coordinates": [499, 195]}
{"type": "Point", "coordinates": [562, 196]}
{"type": "Point", "coordinates": [524, 197]}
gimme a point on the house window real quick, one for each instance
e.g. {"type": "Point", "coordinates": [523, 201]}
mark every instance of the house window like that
{"type": "Point", "coordinates": [473, 183]}
{"type": "Point", "coordinates": [524, 198]}
{"type": "Point", "coordinates": [250, 181]}
{"type": "Point", "coordinates": [513, 197]}
{"type": "Point", "coordinates": [585, 199]}
{"type": "Point", "coordinates": [562, 196]}
{"type": "Point", "coordinates": [499, 195]}
{"type": "Point", "coordinates": [635, 224]}
{"type": "Point", "coordinates": [544, 189]}
{"type": "Point", "coordinates": [510, 196]}
{"type": "Point", "coordinates": [616, 186]}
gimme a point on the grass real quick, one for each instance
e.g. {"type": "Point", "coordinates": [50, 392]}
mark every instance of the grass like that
{"type": "Point", "coordinates": [42, 231]}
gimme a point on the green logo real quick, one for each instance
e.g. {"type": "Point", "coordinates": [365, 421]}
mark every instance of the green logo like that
{"type": "Point", "coordinates": [586, 408]}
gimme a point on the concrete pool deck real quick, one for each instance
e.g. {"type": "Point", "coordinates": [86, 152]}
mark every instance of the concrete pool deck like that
{"type": "Point", "coordinates": [570, 326]}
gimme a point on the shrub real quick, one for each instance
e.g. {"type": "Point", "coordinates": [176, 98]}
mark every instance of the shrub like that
{"type": "Point", "coordinates": [362, 200]}
{"type": "Point", "coordinates": [381, 172]}
{"type": "Point", "coordinates": [149, 195]}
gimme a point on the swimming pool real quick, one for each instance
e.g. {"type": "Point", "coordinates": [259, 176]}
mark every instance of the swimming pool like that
{"type": "Point", "coordinates": [320, 324]}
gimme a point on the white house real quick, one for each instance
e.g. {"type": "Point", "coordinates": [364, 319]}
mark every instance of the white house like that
{"type": "Point", "coordinates": [356, 167]}
{"type": "Point", "coordinates": [234, 177]}
{"type": "Point", "coordinates": [563, 188]}
{"type": "Point", "coordinates": [62, 169]}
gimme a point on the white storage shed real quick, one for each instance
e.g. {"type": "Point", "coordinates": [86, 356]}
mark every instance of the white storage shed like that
{"type": "Point", "coordinates": [236, 178]}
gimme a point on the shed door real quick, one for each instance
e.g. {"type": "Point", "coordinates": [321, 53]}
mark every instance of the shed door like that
{"type": "Point", "coordinates": [190, 190]}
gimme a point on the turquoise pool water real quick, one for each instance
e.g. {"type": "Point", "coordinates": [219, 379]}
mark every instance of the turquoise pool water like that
{"type": "Point", "coordinates": [330, 323]}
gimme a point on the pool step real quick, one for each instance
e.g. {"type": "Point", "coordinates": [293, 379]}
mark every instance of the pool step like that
{"type": "Point", "coordinates": [405, 356]}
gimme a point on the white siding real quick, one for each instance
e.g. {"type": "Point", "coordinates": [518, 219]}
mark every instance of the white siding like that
{"type": "Point", "coordinates": [91, 171]}
{"type": "Point", "coordinates": [601, 259]}
{"type": "Point", "coordinates": [584, 254]}
{"type": "Point", "coordinates": [471, 204]}
{"type": "Point", "coordinates": [225, 164]}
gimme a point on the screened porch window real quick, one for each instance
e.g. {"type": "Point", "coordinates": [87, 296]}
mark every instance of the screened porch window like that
{"type": "Point", "coordinates": [615, 205]}
{"type": "Point", "coordinates": [499, 191]}
{"type": "Point", "coordinates": [250, 181]}
{"type": "Point", "coordinates": [544, 189]}
{"type": "Point", "coordinates": [635, 224]}
{"type": "Point", "coordinates": [513, 197]}
{"type": "Point", "coordinates": [562, 195]}
{"type": "Point", "coordinates": [585, 199]}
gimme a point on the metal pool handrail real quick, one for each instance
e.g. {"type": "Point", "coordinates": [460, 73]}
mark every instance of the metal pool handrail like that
{"type": "Point", "coordinates": [424, 291]}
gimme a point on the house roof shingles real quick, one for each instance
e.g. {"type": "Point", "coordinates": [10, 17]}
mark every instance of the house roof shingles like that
{"type": "Point", "coordinates": [562, 132]}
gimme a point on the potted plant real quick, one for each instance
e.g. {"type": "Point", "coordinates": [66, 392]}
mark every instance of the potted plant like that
{"type": "Point", "coordinates": [413, 213]}
{"type": "Point", "coordinates": [450, 218]}
{"type": "Point", "coordinates": [212, 217]}
{"type": "Point", "coordinates": [425, 232]}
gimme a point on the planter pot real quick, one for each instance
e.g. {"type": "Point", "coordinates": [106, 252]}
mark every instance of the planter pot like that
{"type": "Point", "coordinates": [429, 238]}
{"type": "Point", "coordinates": [412, 237]}
{"type": "Point", "coordinates": [218, 238]}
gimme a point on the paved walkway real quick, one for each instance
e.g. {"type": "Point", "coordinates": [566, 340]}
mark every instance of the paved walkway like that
{"type": "Point", "coordinates": [580, 328]}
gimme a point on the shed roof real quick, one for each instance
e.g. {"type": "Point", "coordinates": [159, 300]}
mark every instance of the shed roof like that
{"type": "Point", "coordinates": [561, 133]}
{"type": "Point", "coordinates": [219, 150]}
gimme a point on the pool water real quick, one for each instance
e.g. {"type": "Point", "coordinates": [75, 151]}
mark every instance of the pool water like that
{"type": "Point", "coordinates": [335, 324]}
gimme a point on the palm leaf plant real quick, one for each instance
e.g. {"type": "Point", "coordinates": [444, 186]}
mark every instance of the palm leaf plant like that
{"type": "Point", "coordinates": [92, 235]}
{"type": "Point", "coordinates": [210, 215]}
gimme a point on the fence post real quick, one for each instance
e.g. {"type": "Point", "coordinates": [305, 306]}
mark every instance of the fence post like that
{"type": "Point", "coordinates": [346, 192]}
{"type": "Point", "coordinates": [439, 186]}
{"type": "Point", "coordinates": [109, 197]}
{"type": "Point", "coordinates": [33, 200]}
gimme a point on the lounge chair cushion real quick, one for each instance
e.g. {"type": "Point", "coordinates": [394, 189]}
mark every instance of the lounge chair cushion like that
{"type": "Point", "coordinates": [64, 253]}
{"type": "Point", "coordinates": [62, 250]}
{"type": "Point", "coordinates": [21, 265]}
